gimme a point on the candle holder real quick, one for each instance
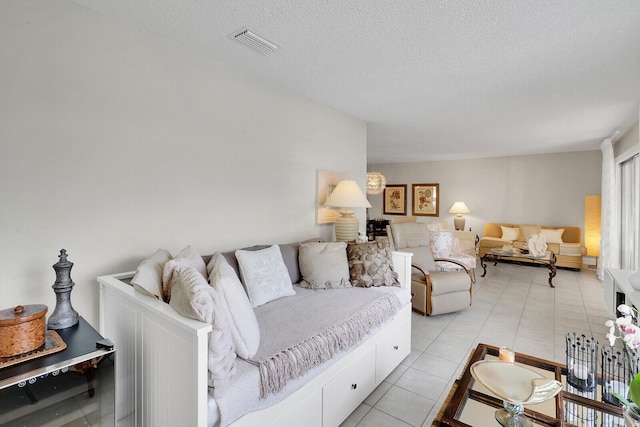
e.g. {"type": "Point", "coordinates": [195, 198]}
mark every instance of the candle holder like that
{"type": "Point", "coordinates": [582, 377]}
{"type": "Point", "coordinates": [64, 316]}
{"type": "Point", "coordinates": [617, 371]}
{"type": "Point", "coordinates": [582, 361]}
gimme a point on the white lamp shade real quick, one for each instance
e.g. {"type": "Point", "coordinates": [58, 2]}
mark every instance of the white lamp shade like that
{"type": "Point", "coordinates": [347, 194]}
{"type": "Point", "coordinates": [459, 208]}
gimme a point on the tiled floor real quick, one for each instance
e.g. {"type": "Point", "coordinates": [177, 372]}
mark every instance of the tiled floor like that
{"type": "Point", "coordinates": [513, 306]}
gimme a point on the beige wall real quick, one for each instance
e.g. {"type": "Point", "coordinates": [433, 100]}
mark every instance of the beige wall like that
{"type": "Point", "coordinates": [546, 189]}
{"type": "Point", "coordinates": [115, 143]}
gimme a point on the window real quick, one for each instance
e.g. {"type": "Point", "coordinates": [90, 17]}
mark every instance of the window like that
{"type": "Point", "coordinates": [629, 220]}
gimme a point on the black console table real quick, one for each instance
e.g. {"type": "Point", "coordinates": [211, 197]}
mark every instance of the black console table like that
{"type": "Point", "coordinates": [75, 384]}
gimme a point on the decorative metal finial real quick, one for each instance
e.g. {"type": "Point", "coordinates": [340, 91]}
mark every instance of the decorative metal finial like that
{"type": "Point", "coordinates": [64, 316]}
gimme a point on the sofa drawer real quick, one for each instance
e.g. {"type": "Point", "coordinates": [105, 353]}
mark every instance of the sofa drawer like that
{"type": "Point", "coordinates": [393, 346]}
{"type": "Point", "coordinates": [307, 413]}
{"type": "Point", "coordinates": [348, 389]}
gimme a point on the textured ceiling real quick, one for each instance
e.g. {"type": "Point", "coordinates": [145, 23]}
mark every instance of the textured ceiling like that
{"type": "Point", "coordinates": [433, 79]}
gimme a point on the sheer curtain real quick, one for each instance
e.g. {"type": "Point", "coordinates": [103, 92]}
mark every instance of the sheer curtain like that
{"type": "Point", "coordinates": [609, 253]}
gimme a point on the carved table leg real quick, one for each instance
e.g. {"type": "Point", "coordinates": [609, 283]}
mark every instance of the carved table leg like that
{"type": "Point", "coordinates": [483, 264]}
{"type": "Point", "coordinates": [552, 269]}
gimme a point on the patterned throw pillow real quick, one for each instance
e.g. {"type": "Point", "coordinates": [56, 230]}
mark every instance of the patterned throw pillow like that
{"type": "Point", "coordinates": [370, 264]}
{"type": "Point", "coordinates": [264, 275]}
{"type": "Point", "coordinates": [440, 243]}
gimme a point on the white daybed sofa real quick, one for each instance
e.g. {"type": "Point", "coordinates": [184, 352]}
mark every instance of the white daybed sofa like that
{"type": "Point", "coordinates": [162, 366]}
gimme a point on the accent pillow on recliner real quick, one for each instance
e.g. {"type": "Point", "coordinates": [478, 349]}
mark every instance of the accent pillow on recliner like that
{"type": "Point", "coordinates": [370, 264]}
{"type": "Point", "coordinates": [440, 243]}
{"type": "Point", "coordinates": [324, 265]}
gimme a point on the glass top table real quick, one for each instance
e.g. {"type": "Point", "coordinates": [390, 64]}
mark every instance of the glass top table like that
{"type": "Point", "coordinates": [516, 255]}
{"type": "Point", "coordinates": [470, 404]}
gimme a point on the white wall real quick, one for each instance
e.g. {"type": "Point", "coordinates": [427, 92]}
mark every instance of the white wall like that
{"type": "Point", "coordinates": [546, 189]}
{"type": "Point", "coordinates": [115, 143]}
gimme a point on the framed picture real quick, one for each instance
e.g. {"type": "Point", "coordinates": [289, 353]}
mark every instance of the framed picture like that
{"type": "Point", "coordinates": [426, 199]}
{"type": "Point", "coordinates": [395, 200]}
{"type": "Point", "coordinates": [326, 181]}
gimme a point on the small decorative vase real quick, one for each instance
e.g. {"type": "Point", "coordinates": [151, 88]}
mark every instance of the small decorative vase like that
{"type": "Point", "coordinates": [631, 419]}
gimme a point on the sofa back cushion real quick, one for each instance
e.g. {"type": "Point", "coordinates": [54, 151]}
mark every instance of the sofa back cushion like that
{"type": "Point", "coordinates": [571, 234]}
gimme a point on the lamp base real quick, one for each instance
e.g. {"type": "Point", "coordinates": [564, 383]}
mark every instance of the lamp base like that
{"type": "Point", "coordinates": [346, 226]}
{"type": "Point", "coordinates": [458, 222]}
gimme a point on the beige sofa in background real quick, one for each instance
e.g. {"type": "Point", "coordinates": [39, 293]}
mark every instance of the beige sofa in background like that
{"type": "Point", "coordinates": [569, 251]}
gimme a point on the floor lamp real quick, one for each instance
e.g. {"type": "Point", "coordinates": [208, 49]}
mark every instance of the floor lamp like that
{"type": "Point", "coordinates": [592, 226]}
{"type": "Point", "coordinates": [345, 196]}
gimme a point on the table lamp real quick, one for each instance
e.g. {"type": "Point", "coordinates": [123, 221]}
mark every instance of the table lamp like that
{"type": "Point", "coordinates": [345, 196]}
{"type": "Point", "coordinates": [459, 208]}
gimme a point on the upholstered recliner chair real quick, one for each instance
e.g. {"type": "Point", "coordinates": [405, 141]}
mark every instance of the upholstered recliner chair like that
{"type": "Point", "coordinates": [434, 291]}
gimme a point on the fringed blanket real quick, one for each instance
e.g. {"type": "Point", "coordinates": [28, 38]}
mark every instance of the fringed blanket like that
{"type": "Point", "coordinates": [303, 331]}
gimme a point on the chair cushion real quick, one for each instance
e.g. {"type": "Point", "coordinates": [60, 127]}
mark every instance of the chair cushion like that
{"type": "Point", "coordinates": [413, 237]}
{"type": "Point", "coordinates": [468, 260]}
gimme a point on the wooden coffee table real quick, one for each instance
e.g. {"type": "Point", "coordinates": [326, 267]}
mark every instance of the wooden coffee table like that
{"type": "Point", "coordinates": [495, 255]}
{"type": "Point", "coordinates": [470, 404]}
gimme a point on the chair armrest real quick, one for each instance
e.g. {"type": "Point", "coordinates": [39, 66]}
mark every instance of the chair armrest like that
{"type": "Point", "coordinates": [453, 261]}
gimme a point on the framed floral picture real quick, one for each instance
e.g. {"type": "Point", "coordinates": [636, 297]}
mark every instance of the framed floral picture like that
{"type": "Point", "coordinates": [425, 199]}
{"type": "Point", "coordinates": [395, 199]}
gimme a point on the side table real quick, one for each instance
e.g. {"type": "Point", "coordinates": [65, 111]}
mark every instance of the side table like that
{"type": "Point", "coordinates": [75, 384]}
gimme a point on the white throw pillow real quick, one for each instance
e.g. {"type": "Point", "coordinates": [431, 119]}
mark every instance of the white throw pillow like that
{"type": "Point", "coordinates": [148, 277]}
{"type": "Point", "coordinates": [324, 265]}
{"type": "Point", "coordinates": [552, 235]}
{"type": "Point", "coordinates": [264, 274]}
{"type": "Point", "coordinates": [509, 233]}
{"type": "Point", "coordinates": [187, 257]}
{"type": "Point", "coordinates": [243, 323]}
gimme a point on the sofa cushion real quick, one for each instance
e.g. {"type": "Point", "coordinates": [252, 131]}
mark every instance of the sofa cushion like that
{"type": "Point", "coordinates": [148, 277]}
{"type": "Point", "coordinates": [526, 231]}
{"type": "Point", "coordinates": [243, 323]}
{"type": "Point", "coordinates": [370, 264]}
{"type": "Point", "coordinates": [190, 295]}
{"type": "Point", "coordinates": [509, 233]}
{"type": "Point", "coordinates": [324, 265]}
{"type": "Point", "coordinates": [264, 275]}
{"type": "Point", "coordinates": [552, 235]}
{"type": "Point", "coordinates": [187, 257]}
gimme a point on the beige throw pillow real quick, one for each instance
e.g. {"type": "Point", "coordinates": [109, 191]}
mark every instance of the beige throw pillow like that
{"type": "Point", "coordinates": [509, 233]}
{"type": "Point", "coordinates": [552, 235]}
{"type": "Point", "coordinates": [526, 231]}
{"type": "Point", "coordinates": [148, 277]}
{"type": "Point", "coordinates": [324, 265]}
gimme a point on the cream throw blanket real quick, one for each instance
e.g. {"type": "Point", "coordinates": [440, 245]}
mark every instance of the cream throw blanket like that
{"type": "Point", "coordinates": [303, 331]}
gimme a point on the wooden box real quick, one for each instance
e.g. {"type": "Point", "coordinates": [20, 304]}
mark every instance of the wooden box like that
{"type": "Point", "coordinates": [22, 329]}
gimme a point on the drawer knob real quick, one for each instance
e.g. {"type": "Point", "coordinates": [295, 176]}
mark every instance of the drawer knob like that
{"type": "Point", "coordinates": [354, 386]}
{"type": "Point", "coordinates": [395, 347]}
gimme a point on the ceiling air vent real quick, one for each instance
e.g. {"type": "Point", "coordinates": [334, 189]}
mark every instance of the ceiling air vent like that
{"type": "Point", "coordinates": [253, 41]}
